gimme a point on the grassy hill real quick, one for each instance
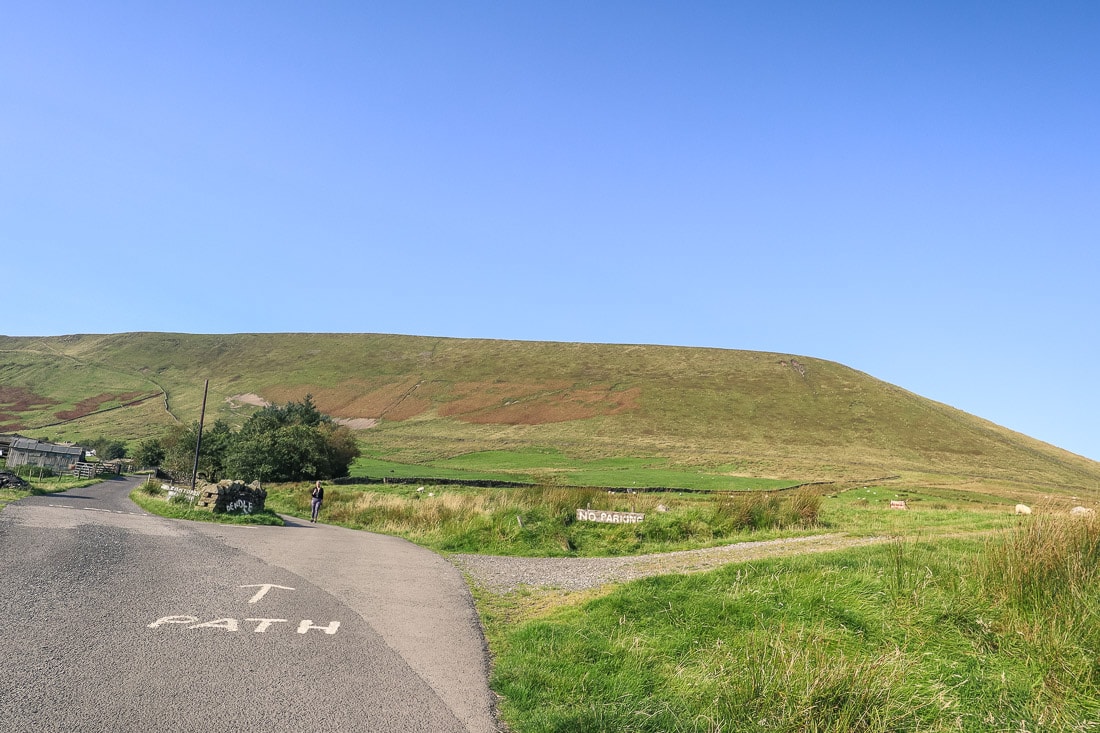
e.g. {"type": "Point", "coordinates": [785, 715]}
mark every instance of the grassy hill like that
{"type": "Point", "coordinates": [433, 399]}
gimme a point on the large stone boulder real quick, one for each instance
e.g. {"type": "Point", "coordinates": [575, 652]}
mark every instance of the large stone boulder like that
{"type": "Point", "coordinates": [232, 497]}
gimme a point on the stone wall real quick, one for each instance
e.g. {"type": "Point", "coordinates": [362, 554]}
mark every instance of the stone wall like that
{"type": "Point", "coordinates": [231, 497]}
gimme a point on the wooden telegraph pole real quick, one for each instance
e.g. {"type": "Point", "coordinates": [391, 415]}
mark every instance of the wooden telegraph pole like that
{"type": "Point", "coordinates": [198, 439]}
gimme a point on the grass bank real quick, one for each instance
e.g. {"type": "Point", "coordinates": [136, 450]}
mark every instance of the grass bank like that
{"type": "Point", "coordinates": [542, 521]}
{"type": "Point", "coordinates": [44, 486]}
{"type": "Point", "coordinates": [992, 634]}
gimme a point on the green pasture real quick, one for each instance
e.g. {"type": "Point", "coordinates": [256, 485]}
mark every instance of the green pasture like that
{"type": "Point", "coordinates": [541, 520]}
{"type": "Point", "coordinates": [548, 466]}
{"type": "Point", "coordinates": [865, 511]}
{"type": "Point", "coordinates": [905, 636]}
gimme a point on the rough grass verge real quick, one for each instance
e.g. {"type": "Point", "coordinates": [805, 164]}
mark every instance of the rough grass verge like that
{"type": "Point", "coordinates": [542, 521]}
{"type": "Point", "coordinates": [910, 636]}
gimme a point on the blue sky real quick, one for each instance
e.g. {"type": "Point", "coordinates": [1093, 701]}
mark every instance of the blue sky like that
{"type": "Point", "coordinates": [910, 189]}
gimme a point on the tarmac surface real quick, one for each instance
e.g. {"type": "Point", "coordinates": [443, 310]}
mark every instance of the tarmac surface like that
{"type": "Point", "coordinates": [114, 619]}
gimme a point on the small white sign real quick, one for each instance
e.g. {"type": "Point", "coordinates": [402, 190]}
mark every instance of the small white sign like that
{"type": "Point", "coordinates": [597, 515]}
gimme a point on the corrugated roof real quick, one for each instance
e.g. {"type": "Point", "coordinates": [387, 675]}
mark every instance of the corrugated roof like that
{"type": "Point", "coordinates": [37, 446]}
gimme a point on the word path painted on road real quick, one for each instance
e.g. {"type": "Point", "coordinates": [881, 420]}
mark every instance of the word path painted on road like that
{"type": "Point", "coordinates": [259, 625]}
{"type": "Point", "coordinates": [232, 624]}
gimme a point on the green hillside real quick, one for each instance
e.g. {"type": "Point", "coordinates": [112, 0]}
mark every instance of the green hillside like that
{"type": "Point", "coordinates": [421, 399]}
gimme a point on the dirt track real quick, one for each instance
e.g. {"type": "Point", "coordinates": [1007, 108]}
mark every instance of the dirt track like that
{"type": "Point", "coordinates": [503, 574]}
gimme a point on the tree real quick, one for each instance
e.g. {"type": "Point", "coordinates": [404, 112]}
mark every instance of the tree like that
{"type": "Point", "coordinates": [149, 453]}
{"type": "Point", "coordinates": [342, 448]}
{"type": "Point", "coordinates": [295, 442]}
{"type": "Point", "coordinates": [107, 449]}
{"type": "Point", "coordinates": [179, 448]}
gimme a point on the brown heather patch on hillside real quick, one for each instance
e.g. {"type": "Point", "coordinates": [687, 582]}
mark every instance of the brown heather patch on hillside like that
{"type": "Point", "coordinates": [536, 404]}
{"type": "Point", "coordinates": [90, 405]}
{"type": "Point", "coordinates": [9, 427]}
{"type": "Point", "coordinates": [358, 399]}
{"type": "Point", "coordinates": [18, 399]}
{"type": "Point", "coordinates": [473, 397]}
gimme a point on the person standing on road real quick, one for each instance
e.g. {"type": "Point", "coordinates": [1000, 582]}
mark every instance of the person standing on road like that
{"type": "Point", "coordinates": [318, 497]}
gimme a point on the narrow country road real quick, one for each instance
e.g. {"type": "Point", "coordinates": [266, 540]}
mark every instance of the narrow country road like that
{"type": "Point", "coordinates": [114, 619]}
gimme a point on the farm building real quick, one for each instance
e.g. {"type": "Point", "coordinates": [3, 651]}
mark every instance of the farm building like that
{"type": "Point", "coordinates": [5, 444]}
{"type": "Point", "coordinates": [31, 452]}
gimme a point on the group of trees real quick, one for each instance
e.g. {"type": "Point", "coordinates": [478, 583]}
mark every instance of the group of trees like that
{"type": "Point", "coordinates": [294, 442]}
{"type": "Point", "coordinates": [107, 449]}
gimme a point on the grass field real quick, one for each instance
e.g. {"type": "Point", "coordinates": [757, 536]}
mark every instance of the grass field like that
{"type": "Point", "coordinates": [907, 636]}
{"type": "Point", "coordinates": [548, 467]}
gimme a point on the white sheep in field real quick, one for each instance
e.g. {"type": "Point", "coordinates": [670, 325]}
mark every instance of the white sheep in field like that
{"type": "Point", "coordinates": [1081, 511]}
{"type": "Point", "coordinates": [1023, 509]}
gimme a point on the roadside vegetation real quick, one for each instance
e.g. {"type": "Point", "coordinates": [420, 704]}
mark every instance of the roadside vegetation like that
{"type": "Point", "coordinates": [39, 481]}
{"type": "Point", "coordinates": [1000, 633]}
{"type": "Point", "coordinates": [542, 521]}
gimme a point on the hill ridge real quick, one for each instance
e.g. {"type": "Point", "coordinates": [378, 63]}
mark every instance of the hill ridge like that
{"type": "Point", "coordinates": [763, 413]}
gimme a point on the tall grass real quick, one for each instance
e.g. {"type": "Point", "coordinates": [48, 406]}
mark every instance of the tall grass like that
{"type": "Point", "coordinates": [542, 520]}
{"type": "Point", "coordinates": [1047, 562]}
{"type": "Point", "coordinates": [767, 511]}
{"type": "Point", "coordinates": [953, 635]}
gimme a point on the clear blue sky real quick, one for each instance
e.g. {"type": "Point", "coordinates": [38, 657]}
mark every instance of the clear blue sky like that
{"type": "Point", "coordinates": [911, 189]}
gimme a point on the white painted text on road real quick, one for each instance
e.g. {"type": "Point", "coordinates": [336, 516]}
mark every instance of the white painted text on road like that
{"type": "Point", "coordinates": [232, 624]}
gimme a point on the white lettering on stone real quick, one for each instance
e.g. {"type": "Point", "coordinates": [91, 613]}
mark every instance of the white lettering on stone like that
{"type": "Point", "coordinates": [173, 620]}
{"type": "Point", "coordinates": [308, 624]}
{"type": "Point", "coordinates": [265, 623]}
{"type": "Point", "coordinates": [229, 624]}
{"type": "Point", "coordinates": [242, 505]}
{"type": "Point", "coordinates": [263, 589]}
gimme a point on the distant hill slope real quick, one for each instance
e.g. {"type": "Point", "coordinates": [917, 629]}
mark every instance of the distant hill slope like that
{"type": "Point", "coordinates": [759, 413]}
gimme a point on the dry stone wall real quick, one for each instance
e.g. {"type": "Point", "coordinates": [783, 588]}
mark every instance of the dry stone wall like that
{"type": "Point", "coordinates": [232, 497]}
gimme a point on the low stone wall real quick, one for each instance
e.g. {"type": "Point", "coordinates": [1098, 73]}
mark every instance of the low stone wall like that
{"type": "Point", "coordinates": [231, 497]}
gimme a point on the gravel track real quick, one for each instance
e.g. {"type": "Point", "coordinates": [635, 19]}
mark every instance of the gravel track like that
{"type": "Point", "coordinates": [501, 575]}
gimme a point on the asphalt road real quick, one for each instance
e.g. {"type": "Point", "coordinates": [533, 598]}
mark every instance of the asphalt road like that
{"type": "Point", "coordinates": [112, 619]}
